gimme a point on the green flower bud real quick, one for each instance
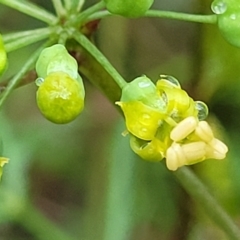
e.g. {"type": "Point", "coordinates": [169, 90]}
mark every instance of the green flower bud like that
{"type": "Point", "coordinates": [228, 15]}
{"type": "Point", "coordinates": [60, 98]}
{"type": "Point", "coordinates": [128, 8]}
{"type": "Point", "coordinates": [56, 59]}
{"type": "Point", "coordinates": [3, 56]}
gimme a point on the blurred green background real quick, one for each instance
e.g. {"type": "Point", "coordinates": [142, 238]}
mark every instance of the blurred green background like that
{"type": "Point", "coordinates": [81, 180]}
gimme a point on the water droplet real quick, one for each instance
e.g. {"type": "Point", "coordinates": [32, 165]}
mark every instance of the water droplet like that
{"type": "Point", "coordinates": [219, 7]}
{"type": "Point", "coordinates": [39, 81]}
{"type": "Point", "coordinates": [171, 79]}
{"type": "Point", "coordinates": [144, 84]}
{"type": "Point", "coordinates": [233, 16]}
{"type": "Point", "coordinates": [145, 116]}
{"type": "Point", "coordinates": [142, 132]}
{"type": "Point", "coordinates": [202, 110]}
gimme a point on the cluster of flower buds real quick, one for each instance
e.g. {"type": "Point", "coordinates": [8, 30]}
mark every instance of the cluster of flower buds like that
{"type": "Point", "coordinates": [60, 96]}
{"type": "Point", "coordinates": [164, 122]}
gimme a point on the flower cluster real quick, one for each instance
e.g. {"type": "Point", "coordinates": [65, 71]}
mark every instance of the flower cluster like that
{"type": "Point", "coordinates": [164, 122]}
{"type": "Point", "coordinates": [60, 96]}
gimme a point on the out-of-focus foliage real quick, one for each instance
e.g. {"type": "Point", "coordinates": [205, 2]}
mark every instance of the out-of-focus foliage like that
{"type": "Point", "coordinates": [83, 177]}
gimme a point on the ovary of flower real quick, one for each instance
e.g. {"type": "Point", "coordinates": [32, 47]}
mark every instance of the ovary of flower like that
{"type": "Point", "coordinates": [186, 154]}
{"type": "Point", "coordinates": [183, 129]}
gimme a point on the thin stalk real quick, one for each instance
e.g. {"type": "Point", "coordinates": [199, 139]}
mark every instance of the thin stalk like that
{"type": "Point", "coordinates": [98, 15]}
{"type": "Point", "coordinates": [16, 35]}
{"type": "Point", "coordinates": [67, 4]}
{"type": "Point", "coordinates": [200, 194]}
{"type": "Point", "coordinates": [99, 57]}
{"type": "Point", "coordinates": [40, 226]}
{"type": "Point", "coordinates": [210, 19]}
{"type": "Point", "coordinates": [25, 41]}
{"type": "Point", "coordinates": [31, 10]}
{"type": "Point", "coordinates": [17, 78]}
{"type": "Point", "coordinates": [73, 5]}
{"type": "Point", "coordinates": [83, 15]}
{"type": "Point", "coordinates": [58, 6]}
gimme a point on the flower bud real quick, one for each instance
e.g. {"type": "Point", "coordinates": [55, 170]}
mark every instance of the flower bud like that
{"type": "Point", "coordinates": [228, 17]}
{"type": "Point", "coordinates": [60, 98]}
{"type": "Point", "coordinates": [128, 8]}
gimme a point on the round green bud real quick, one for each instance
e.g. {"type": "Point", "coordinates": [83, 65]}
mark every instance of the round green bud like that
{"type": "Point", "coordinates": [228, 17]}
{"type": "Point", "coordinates": [54, 59]}
{"type": "Point", "coordinates": [128, 8]}
{"type": "Point", "coordinates": [60, 98]}
{"type": "Point", "coordinates": [3, 56]}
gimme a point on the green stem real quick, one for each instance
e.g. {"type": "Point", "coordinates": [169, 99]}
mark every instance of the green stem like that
{"type": "Point", "coordinates": [73, 5]}
{"type": "Point", "coordinates": [16, 35]}
{"type": "Point", "coordinates": [25, 41]}
{"type": "Point", "coordinates": [211, 19]}
{"type": "Point", "coordinates": [67, 4]}
{"type": "Point", "coordinates": [100, 58]}
{"type": "Point", "coordinates": [31, 10]}
{"type": "Point", "coordinates": [17, 78]}
{"type": "Point", "coordinates": [83, 15]}
{"type": "Point", "coordinates": [40, 226]}
{"type": "Point", "coordinates": [59, 8]}
{"type": "Point", "coordinates": [200, 194]}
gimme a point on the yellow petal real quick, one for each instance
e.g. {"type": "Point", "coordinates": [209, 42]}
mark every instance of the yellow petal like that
{"type": "Point", "coordinates": [141, 120]}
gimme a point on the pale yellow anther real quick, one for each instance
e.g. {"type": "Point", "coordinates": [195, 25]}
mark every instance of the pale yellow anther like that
{"type": "Point", "coordinates": [216, 149]}
{"type": "Point", "coordinates": [183, 129]}
{"type": "Point", "coordinates": [194, 152]}
{"type": "Point", "coordinates": [204, 131]}
{"type": "Point", "coordinates": [174, 157]}
{"type": "Point", "coordinates": [186, 154]}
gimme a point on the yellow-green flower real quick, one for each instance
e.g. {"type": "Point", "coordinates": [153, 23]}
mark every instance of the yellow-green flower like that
{"type": "Point", "coordinates": [3, 56]}
{"type": "Point", "coordinates": [164, 122]}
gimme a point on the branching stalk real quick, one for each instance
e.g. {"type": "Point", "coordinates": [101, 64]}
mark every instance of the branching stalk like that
{"type": "Point", "coordinates": [31, 10]}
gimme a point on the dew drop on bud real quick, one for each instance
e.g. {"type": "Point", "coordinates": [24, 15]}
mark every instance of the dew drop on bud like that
{"type": "Point", "coordinates": [171, 79]}
{"type": "Point", "coordinates": [219, 7]}
{"type": "Point", "coordinates": [39, 81]}
{"type": "Point", "coordinates": [202, 110]}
